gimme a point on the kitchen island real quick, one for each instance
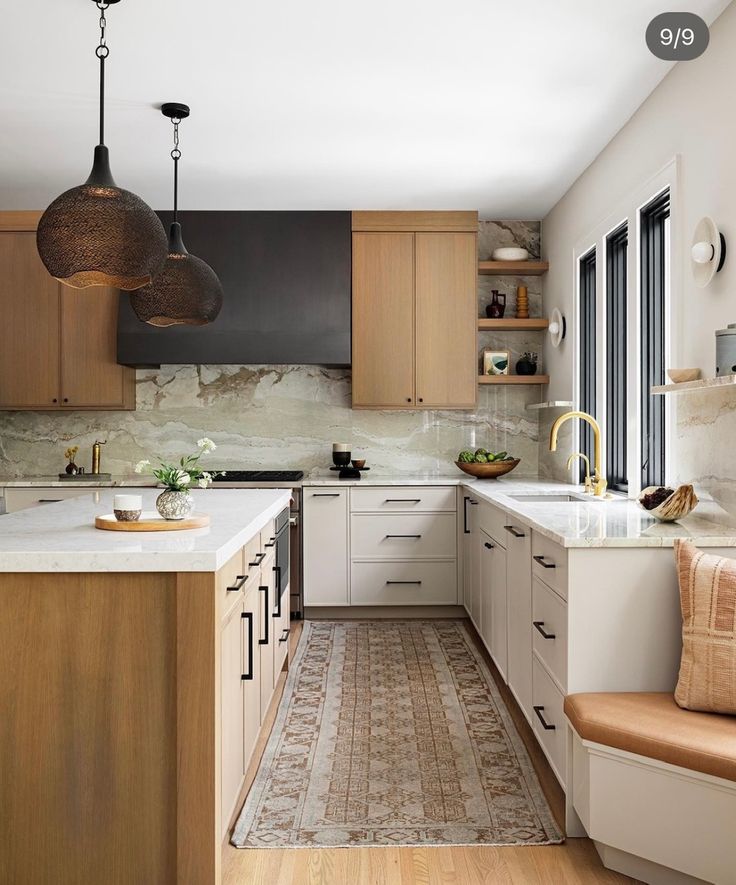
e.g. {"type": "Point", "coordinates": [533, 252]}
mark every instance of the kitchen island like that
{"type": "Point", "coordinates": [121, 657]}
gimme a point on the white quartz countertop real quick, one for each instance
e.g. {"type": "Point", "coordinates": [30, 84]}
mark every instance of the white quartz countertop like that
{"type": "Point", "coordinates": [62, 537]}
{"type": "Point", "coordinates": [11, 482]}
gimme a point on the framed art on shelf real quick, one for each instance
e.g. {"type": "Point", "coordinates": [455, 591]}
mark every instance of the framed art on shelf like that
{"type": "Point", "coordinates": [496, 362]}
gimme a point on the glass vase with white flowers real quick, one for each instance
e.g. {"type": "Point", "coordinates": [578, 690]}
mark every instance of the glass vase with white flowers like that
{"type": "Point", "coordinates": [175, 502]}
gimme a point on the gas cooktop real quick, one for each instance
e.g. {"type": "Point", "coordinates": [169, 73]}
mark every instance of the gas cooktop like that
{"type": "Point", "coordinates": [260, 476]}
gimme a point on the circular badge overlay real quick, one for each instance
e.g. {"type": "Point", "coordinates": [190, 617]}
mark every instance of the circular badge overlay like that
{"type": "Point", "coordinates": [677, 36]}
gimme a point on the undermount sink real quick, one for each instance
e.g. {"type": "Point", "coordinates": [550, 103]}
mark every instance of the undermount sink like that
{"type": "Point", "coordinates": [551, 499]}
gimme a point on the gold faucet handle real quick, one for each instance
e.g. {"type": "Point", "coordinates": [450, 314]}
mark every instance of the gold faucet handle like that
{"type": "Point", "coordinates": [599, 485]}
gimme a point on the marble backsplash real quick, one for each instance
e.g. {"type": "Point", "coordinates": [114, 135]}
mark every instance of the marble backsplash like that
{"type": "Point", "coordinates": [288, 416]}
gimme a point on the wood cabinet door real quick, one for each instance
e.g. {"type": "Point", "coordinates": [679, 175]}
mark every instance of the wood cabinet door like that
{"type": "Point", "coordinates": [29, 330]}
{"type": "Point", "coordinates": [252, 674]}
{"type": "Point", "coordinates": [519, 600]}
{"type": "Point", "coordinates": [383, 320]}
{"type": "Point", "coordinates": [233, 746]}
{"type": "Point", "coordinates": [90, 374]}
{"type": "Point", "coordinates": [326, 558]}
{"type": "Point", "coordinates": [446, 320]}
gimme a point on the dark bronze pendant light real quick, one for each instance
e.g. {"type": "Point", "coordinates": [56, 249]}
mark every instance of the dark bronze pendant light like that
{"type": "Point", "coordinates": [98, 234]}
{"type": "Point", "coordinates": [187, 292]}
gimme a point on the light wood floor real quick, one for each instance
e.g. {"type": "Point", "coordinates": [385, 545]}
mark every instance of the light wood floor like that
{"type": "Point", "coordinates": [573, 863]}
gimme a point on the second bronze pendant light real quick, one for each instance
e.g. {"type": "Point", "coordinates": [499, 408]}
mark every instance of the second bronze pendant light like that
{"type": "Point", "coordinates": [187, 291]}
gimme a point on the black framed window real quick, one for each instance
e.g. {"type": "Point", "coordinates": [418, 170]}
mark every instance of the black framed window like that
{"type": "Point", "coordinates": [616, 386]}
{"type": "Point", "coordinates": [587, 326]}
{"type": "Point", "coordinates": [654, 226]}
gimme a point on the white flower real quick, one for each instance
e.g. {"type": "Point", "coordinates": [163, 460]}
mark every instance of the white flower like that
{"type": "Point", "coordinates": [183, 478]}
{"type": "Point", "coordinates": [141, 466]}
{"type": "Point", "coordinates": [204, 480]}
{"type": "Point", "coordinates": [206, 444]}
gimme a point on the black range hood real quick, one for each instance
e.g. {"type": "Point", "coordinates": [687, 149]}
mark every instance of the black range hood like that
{"type": "Point", "coordinates": [286, 282]}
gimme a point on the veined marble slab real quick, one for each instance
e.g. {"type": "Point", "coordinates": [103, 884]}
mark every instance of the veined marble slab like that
{"type": "Point", "coordinates": [62, 537]}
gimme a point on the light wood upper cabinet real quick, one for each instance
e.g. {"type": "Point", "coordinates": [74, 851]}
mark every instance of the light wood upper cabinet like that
{"type": "Point", "coordinates": [57, 344]}
{"type": "Point", "coordinates": [415, 310]}
{"type": "Point", "coordinates": [446, 319]}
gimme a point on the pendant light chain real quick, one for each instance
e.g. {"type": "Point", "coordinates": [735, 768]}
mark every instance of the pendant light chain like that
{"type": "Point", "coordinates": [176, 156]}
{"type": "Point", "coordinates": [102, 52]}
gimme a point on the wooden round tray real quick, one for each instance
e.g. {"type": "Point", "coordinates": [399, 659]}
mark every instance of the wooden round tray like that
{"type": "Point", "coordinates": [151, 522]}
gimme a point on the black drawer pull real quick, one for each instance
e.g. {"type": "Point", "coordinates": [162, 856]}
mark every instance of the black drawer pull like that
{"type": "Point", "coordinates": [325, 494]}
{"type": "Point", "coordinates": [50, 500]}
{"type": "Point", "coordinates": [488, 546]}
{"type": "Point", "coordinates": [545, 725]}
{"type": "Point", "coordinates": [249, 675]}
{"type": "Point", "coordinates": [514, 531]}
{"type": "Point", "coordinates": [277, 572]}
{"type": "Point", "coordinates": [266, 620]}
{"type": "Point", "coordinates": [258, 560]}
{"type": "Point", "coordinates": [238, 585]}
{"type": "Point", "coordinates": [541, 560]}
{"type": "Point", "coordinates": [285, 634]}
{"type": "Point", "coordinates": [403, 501]}
{"type": "Point", "coordinates": [417, 583]}
{"type": "Point", "coordinates": [414, 537]}
{"type": "Point", "coordinates": [271, 543]}
{"type": "Point", "coordinates": [540, 627]}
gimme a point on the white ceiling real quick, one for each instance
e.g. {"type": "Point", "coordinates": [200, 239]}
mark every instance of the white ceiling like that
{"type": "Point", "coordinates": [390, 104]}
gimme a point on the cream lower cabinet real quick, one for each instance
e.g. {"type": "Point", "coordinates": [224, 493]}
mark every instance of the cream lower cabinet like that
{"type": "Point", "coordinates": [471, 558]}
{"type": "Point", "coordinates": [519, 613]}
{"type": "Point", "coordinates": [326, 555]}
{"type": "Point", "coordinates": [493, 597]}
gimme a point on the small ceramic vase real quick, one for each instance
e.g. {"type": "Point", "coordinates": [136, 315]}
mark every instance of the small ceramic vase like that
{"type": "Point", "coordinates": [175, 505]}
{"type": "Point", "coordinates": [526, 366]}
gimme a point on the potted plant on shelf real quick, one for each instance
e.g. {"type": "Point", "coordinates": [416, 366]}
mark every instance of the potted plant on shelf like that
{"type": "Point", "coordinates": [175, 502]}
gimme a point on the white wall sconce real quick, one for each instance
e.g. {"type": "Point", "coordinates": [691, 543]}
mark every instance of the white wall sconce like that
{"type": "Point", "coordinates": [557, 327]}
{"type": "Point", "coordinates": [708, 252]}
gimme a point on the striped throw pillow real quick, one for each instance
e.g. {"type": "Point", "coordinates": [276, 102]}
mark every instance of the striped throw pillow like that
{"type": "Point", "coordinates": [707, 680]}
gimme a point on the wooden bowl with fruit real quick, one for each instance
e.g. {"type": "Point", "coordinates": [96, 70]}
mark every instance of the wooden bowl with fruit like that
{"type": "Point", "coordinates": [483, 464]}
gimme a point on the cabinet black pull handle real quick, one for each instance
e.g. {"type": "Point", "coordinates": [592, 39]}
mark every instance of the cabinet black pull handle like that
{"type": "Point", "coordinates": [403, 501]}
{"type": "Point", "coordinates": [325, 494]}
{"type": "Point", "coordinates": [285, 634]}
{"type": "Point", "coordinates": [266, 620]}
{"type": "Point", "coordinates": [545, 725]}
{"type": "Point", "coordinates": [277, 572]}
{"type": "Point", "coordinates": [271, 543]}
{"type": "Point", "coordinates": [421, 400]}
{"type": "Point", "coordinates": [49, 500]}
{"type": "Point", "coordinates": [66, 399]}
{"type": "Point", "coordinates": [414, 537]}
{"type": "Point", "coordinates": [466, 530]}
{"type": "Point", "coordinates": [408, 399]}
{"type": "Point", "coordinates": [543, 563]}
{"type": "Point", "coordinates": [418, 583]}
{"type": "Point", "coordinates": [249, 675]}
{"type": "Point", "coordinates": [238, 585]}
{"type": "Point", "coordinates": [514, 531]}
{"type": "Point", "coordinates": [258, 560]}
{"type": "Point", "coordinates": [54, 400]}
{"type": "Point", "coordinates": [488, 546]}
{"type": "Point", "coordinates": [540, 627]}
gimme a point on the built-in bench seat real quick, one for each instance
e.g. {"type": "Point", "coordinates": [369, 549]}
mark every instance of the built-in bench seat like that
{"type": "Point", "coordinates": [655, 786]}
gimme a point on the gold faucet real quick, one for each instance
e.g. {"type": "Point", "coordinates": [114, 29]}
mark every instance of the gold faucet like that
{"type": "Point", "coordinates": [599, 483]}
{"type": "Point", "coordinates": [96, 452]}
{"type": "Point", "coordinates": [588, 480]}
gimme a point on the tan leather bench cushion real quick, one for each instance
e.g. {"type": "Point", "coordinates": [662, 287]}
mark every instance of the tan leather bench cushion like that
{"type": "Point", "coordinates": [651, 724]}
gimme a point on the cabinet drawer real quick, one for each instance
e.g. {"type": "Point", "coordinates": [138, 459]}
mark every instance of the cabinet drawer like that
{"type": "Point", "coordinates": [231, 583]}
{"type": "Point", "coordinates": [268, 536]}
{"type": "Point", "coordinates": [549, 563]}
{"type": "Point", "coordinates": [549, 720]}
{"type": "Point", "coordinates": [403, 536]}
{"type": "Point", "coordinates": [549, 633]}
{"type": "Point", "coordinates": [404, 583]}
{"type": "Point", "coordinates": [492, 521]}
{"type": "Point", "coordinates": [23, 499]}
{"type": "Point", "coordinates": [411, 499]}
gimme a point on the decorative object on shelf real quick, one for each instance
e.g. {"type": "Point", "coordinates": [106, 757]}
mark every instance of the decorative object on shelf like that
{"type": "Point", "coordinates": [527, 365]}
{"type": "Point", "coordinates": [497, 308]}
{"type": "Point", "coordinates": [340, 454]}
{"type": "Point", "coordinates": [187, 291]}
{"type": "Point", "coordinates": [150, 522]}
{"type": "Point", "coordinates": [489, 470]}
{"type": "Point", "coordinates": [708, 252]}
{"type": "Point", "coordinates": [557, 327]}
{"type": "Point", "coordinates": [509, 253]}
{"type": "Point", "coordinates": [496, 362]}
{"type": "Point", "coordinates": [358, 463]}
{"type": "Point", "coordinates": [98, 234]}
{"type": "Point", "coordinates": [176, 502]}
{"type": "Point", "coordinates": [679, 376]}
{"type": "Point", "coordinates": [668, 505]}
{"type": "Point", "coordinates": [127, 508]}
{"type": "Point", "coordinates": [522, 303]}
{"type": "Point", "coordinates": [70, 454]}
{"type": "Point", "coordinates": [726, 350]}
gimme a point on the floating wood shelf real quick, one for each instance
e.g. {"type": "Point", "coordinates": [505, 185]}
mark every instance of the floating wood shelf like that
{"type": "Point", "coordinates": [534, 268]}
{"type": "Point", "coordinates": [511, 324]}
{"type": "Point", "coordinates": [700, 384]}
{"type": "Point", "coordinates": [513, 379]}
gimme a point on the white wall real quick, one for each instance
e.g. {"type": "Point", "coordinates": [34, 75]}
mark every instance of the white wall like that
{"type": "Point", "coordinates": [690, 114]}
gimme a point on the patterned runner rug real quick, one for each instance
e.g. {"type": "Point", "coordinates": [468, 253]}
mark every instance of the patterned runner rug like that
{"type": "Point", "coordinates": [393, 733]}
